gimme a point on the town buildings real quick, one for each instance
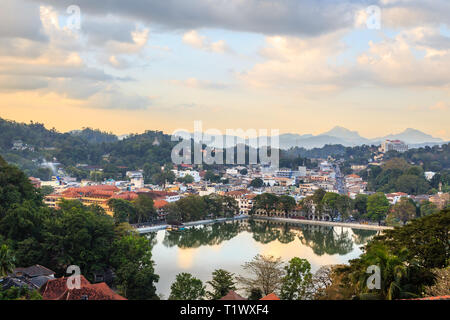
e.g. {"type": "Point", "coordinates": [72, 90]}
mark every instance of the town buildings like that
{"type": "Point", "coordinates": [393, 145]}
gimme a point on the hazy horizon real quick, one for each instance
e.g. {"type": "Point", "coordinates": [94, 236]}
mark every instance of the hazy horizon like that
{"type": "Point", "coordinates": [300, 67]}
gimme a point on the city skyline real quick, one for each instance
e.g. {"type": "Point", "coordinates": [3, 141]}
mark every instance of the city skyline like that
{"type": "Point", "coordinates": [161, 67]}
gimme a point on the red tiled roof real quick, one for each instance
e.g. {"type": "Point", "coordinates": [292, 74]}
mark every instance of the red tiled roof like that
{"type": "Point", "coordinates": [433, 298]}
{"type": "Point", "coordinates": [99, 191]}
{"type": "Point", "coordinates": [57, 290]}
{"type": "Point", "coordinates": [271, 296]}
{"type": "Point", "coordinates": [236, 192]}
{"type": "Point", "coordinates": [231, 295]}
{"type": "Point", "coordinates": [128, 195]}
{"type": "Point", "coordinates": [158, 204]}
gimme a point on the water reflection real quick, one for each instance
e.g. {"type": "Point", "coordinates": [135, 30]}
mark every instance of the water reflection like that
{"type": "Point", "coordinates": [321, 239]}
{"type": "Point", "coordinates": [203, 249]}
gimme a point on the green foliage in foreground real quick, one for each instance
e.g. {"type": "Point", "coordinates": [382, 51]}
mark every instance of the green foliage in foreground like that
{"type": "Point", "coordinates": [187, 287]}
{"type": "Point", "coordinates": [73, 235]}
{"type": "Point", "coordinates": [405, 255]}
{"type": "Point", "coordinates": [23, 293]}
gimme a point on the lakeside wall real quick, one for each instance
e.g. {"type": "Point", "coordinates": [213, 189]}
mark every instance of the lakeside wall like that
{"type": "Point", "coordinates": [279, 219]}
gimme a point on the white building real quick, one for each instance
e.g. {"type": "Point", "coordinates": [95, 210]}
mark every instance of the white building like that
{"type": "Point", "coordinates": [183, 173]}
{"type": "Point", "coordinates": [302, 171]}
{"type": "Point", "coordinates": [393, 145]}
{"type": "Point", "coordinates": [429, 175]}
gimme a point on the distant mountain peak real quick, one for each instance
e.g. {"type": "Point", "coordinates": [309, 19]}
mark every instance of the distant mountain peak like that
{"type": "Point", "coordinates": [411, 136]}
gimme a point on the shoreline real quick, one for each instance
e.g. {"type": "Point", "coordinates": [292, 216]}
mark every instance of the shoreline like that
{"type": "Point", "coordinates": [326, 223]}
{"type": "Point", "coordinates": [144, 230]}
{"type": "Point", "coordinates": [191, 224]}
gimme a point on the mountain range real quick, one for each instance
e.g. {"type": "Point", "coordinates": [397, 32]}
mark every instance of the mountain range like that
{"type": "Point", "coordinates": [340, 135]}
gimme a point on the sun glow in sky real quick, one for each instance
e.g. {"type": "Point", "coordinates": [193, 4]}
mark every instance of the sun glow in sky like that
{"type": "Point", "coordinates": [298, 66]}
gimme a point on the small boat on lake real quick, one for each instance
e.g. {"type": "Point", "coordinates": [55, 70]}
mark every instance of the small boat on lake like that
{"type": "Point", "coordinates": [176, 227]}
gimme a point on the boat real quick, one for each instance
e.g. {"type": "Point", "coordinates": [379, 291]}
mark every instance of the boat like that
{"type": "Point", "coordinates": [176, 227]}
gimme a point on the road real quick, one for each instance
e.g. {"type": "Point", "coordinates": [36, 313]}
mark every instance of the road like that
{"type": "Point", "coordinates": [340, 185]}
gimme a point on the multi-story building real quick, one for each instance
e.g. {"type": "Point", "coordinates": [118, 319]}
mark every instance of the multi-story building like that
{"type": "Point", "coordinates": [90, 195]}
{"type": "Point", "coordinates": [393, 145]}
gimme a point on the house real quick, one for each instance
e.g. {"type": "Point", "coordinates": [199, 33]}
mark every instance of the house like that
{"type": "Point", "coordinates": [33, 277]}
{"type": "Point", "coordinates": [231, 295]}
{"type": "Point", "coordinates": [270, 296]}
{"type": "Point", "coordinates": [395, 197]}
{"type": "Point", "coordinates": [245, 203]}
{"type": "Point", "coordinates": [440, 199]}
{"type": "Point", "coordinates": [57, 289]}
{"type": "Point", "coordinates": [36, 182]}
{"type": "Point", "coordinates": [159, 205]}
{"type": "Point", "coordinates": [393, 145]}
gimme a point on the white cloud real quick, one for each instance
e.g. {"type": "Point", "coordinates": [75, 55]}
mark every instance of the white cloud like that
{"type": "Point", "coordinates": [194, 39]}
{"type": "Point", "coordinates": [440, 106]}
{"type": "Point", "coordinates": [199, 84]}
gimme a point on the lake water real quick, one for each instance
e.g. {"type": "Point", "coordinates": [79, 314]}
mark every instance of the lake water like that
{"type": "Point", "coordinates": [202, 249]}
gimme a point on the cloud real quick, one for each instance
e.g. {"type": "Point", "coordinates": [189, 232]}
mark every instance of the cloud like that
{"type": "Point", "coordinates": [19, 19]}
{"type": "Point", "coordinates": [194, 39]}
{"type": "Point", "coordinates": [416, 57]}
{"type": "Point", "coordinates": [61, 65]}
{"type": "Point", "coordinates": [440, 106]}
{"type": "Point", "coordinates": [307, 64]}
{"type": "Point", "coordinates": [272, 17]}
{"type": "Point", "coordinates": [199, 84]}
{"type": "Point", "coordinates": [412, 58]}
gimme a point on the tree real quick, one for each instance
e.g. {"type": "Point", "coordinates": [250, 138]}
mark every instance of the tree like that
{"type": "Point", "coordinates": [360, 204]}
{"type": "Point", "coordinates": [377, 206]}
{"type": "Point", "coordinates": [243, 172]}
{"type": "Point", "coordinates": [255, 294]}
{"type": "Point", "coordinates": [267, 271]}
{"type": "Point", "coordinates": [47, 190]}
{"type": "Point", "coordinates": [187, 287]}
{"type": "Point", "coordinates": [211, 176]}
{"type": "Point", "coordinates": [402, 211]}
{"type": "Point", "coordinates": [221, 283]}
{"type": "Point", "coordinates": [405, 256]}
{"type": "Point", "coordinates": [230, 206]}
{"type": "Point", "coordinates": [214, 205]}
{"type": "Point", "coordinates": [321, 280]}
{"type": "Point", "coordinates": [330, 204]}
{"type": "Point", "coordinates": [135, 276]}
{"type": "Point", "coordinates": [427, 208]}
{"type": "Point", "coordinates": [123, 210]}
{"type": "Point", "coordinates": [188, 179]}
{"type": "Point", "coordinates": [267, 202]}
{"type": "Point", "coordinates": [191, 208]}
{"type": "Point", "coordinates": [257, 183]}
{"type": "Point", "coordinates": [7, 260]}
{"type": "Point", "coordinates": [441, 286]}
{"type": "Point", "coordinates": [145, 210]}
{"type": "Point", "coordinates": [296, 284]}
{"type": "Point", "coordinates": [173, 213]}
{"type": "Point", "coordinates": [286, 203]}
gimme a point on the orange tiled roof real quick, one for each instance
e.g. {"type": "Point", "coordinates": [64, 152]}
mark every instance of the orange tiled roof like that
{"type": "Point", "coordinates": [236, 192]}
{"type": "Point", "coordinates": [158, 204]}
{"type": "Point", "coordinates": [127, 195]}
{"type": "Point", "coordinates": [271, 296]}
{"type": "Point", "coordinates": [433, 298]}
{"type": "Point", "coordinates": [99, 191]}
{"type": "Point", "coordinates": [57, 290]}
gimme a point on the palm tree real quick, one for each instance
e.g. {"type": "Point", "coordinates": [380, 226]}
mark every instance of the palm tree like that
{"type": "Point", "coordinates": [7, 260]}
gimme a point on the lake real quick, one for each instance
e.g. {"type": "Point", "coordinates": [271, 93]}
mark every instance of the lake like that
{"type": "Point", "coordinates": [228, 245]}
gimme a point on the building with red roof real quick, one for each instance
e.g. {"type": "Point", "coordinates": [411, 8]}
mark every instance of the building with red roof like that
{"type": "Point", "coordinates": [231, 295]}
{"type": "Point", "coordinates": [57, 290]}
{"type": "Point", "coordinates": [270, 296]}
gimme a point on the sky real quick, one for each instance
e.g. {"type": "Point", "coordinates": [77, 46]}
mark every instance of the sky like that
{"type": "Point", "coordinates": [299, 66]}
